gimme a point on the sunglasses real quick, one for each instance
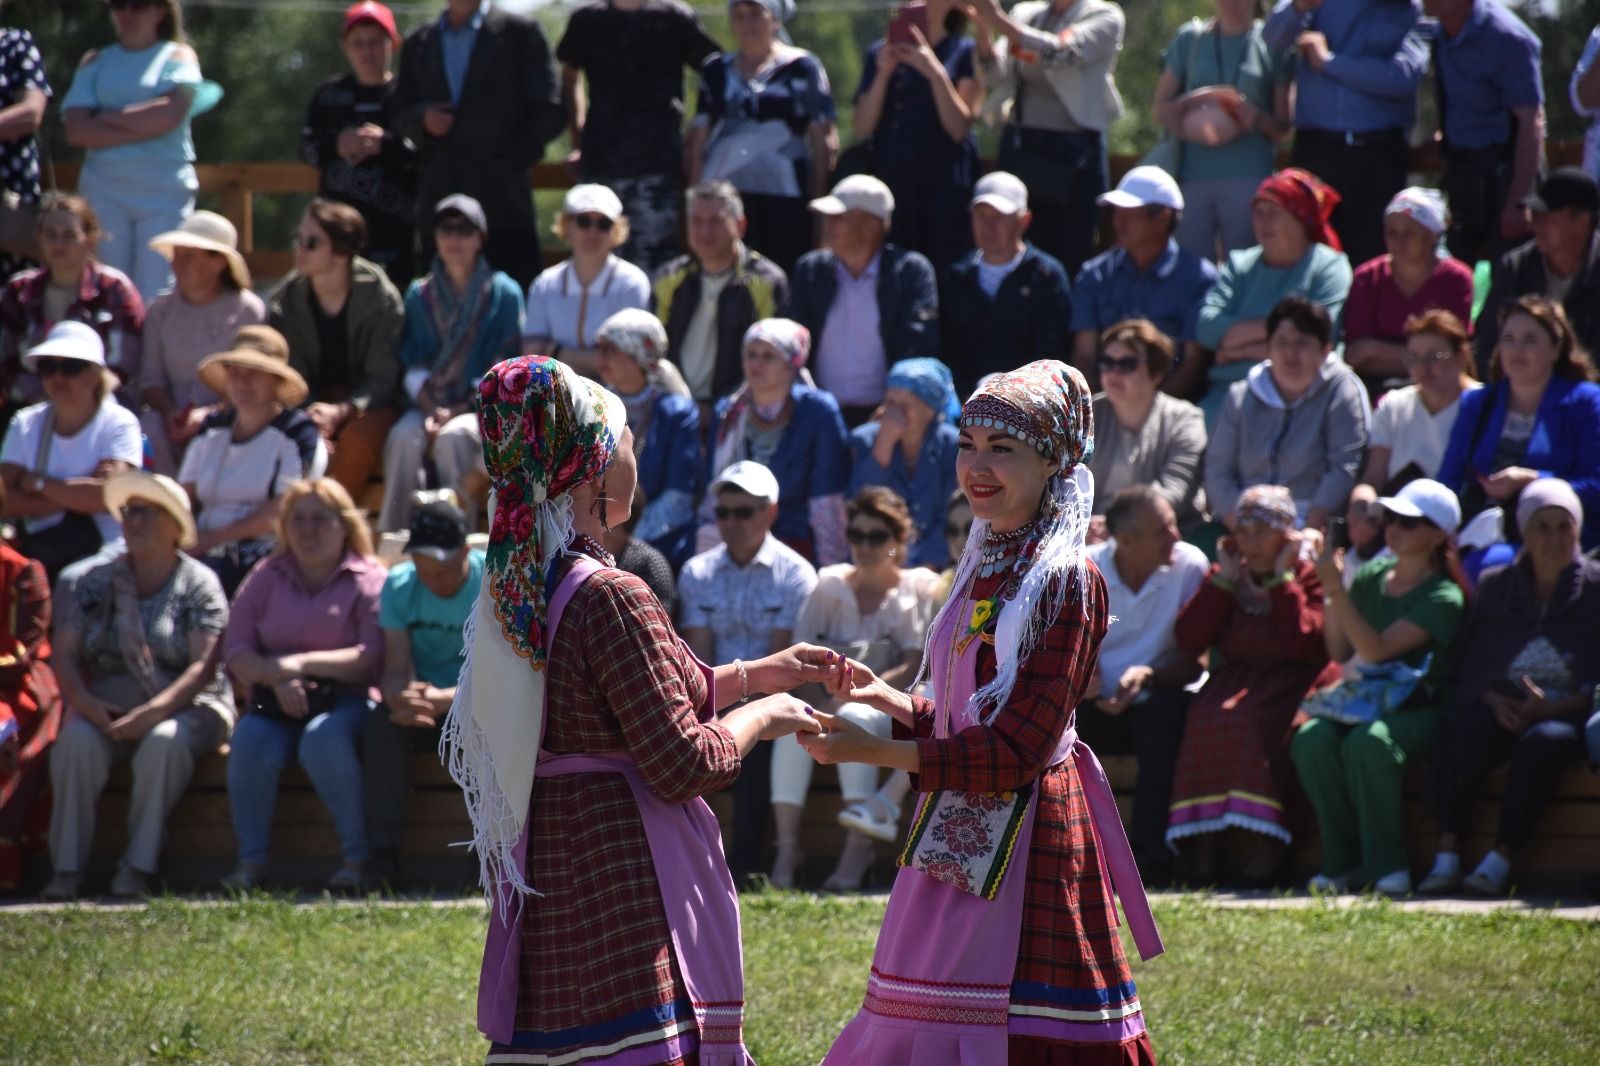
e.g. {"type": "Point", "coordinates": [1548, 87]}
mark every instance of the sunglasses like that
{"type": "Point", "coordinates": [139, 510]}
{"type": "Point", "coordinates": [738, 514]}
{"type": "Point", "coordinates": [456, 229]}
{"type": "Point", "coordinates": [599, 222]}
{"type": "Point", "coordinates": [953, 530]}
{"type": "Point", "coordinates": [1128, 364]}
{"type": "Point", "coordinates": [68, 368]}
{"type": "Point", "coordinates": [309, 243]}
{"type": "Point", "coordinates": [1410, 521]}
{"type": "Point", "coordinates": [1411, 360]}
{"type": "Point", "coordinates": [875, 537]}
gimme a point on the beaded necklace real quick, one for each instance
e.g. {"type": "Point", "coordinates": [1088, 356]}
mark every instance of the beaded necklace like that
{"type": "Point", "coordinates": [589, 546]}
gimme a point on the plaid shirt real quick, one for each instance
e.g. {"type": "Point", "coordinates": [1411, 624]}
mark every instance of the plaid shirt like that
{"type": "Point", "coordinates": [744, 605]}
{"type": "Point", "coordinates": [107, 300]}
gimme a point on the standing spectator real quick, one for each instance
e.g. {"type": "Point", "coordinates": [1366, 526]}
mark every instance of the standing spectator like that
{"type": "Point", "coordinates": [1411, 426]}
{"type": "Point", "coordinates": [1296, 254]}
{"type": "Point", "coordinates": [567, 302]}
{"type": "Point", "coordinates": [343, 319]}
{"type": "Point", "coordinates": [1225, 97]}
{"type": "Point", "coordinates": [1359, 63]}
{"type": "Point", "coordinates": [304, 641]}
{"type": "Point", "coordinates": [708, 297]}
{"type": "Point", "coordinates": [30, 712]}
{"type": "Point", "coordinates": [1491, 106]}
{"type": "Point", "coordinates": [765, 123]}
{"type": "Point", "coordinates": [129, 108]}
{"type": "Point", "coordinates": [1561, 262]}
{"type": "Point", "coordinates": [462, 318]}
{"type": "Point", "coordinates": [625, 124]}
{"type": "Point", "coordinates": [738, 603]}
{"type": "Point", "coordinates": [73, 285]}
{"type": "Point", "coordinates": [425, 602]}
{"type": "Point", "coordinates": [1146, 274]}
{"type": "Point", "coordinates": [1584, 91]}
{"type": "Point", "coordinates": [478, 96]}
{"type": "Point", "coordinates": [351, 136]}
{"type": "Point", "coordinates": [917, 103]}
{"type": "Point", "coordinates": [793, 429]}
{"type": "Point", "coordinates": [1007, 300]}
{"type": "Point", "coordinates": [1411, 279]}
{"type": "Point", "coordinates": [1054, 65]}
{"type": "Point", "coordinates": [911, 449]}
{"type": "Point", "coordinates": [866, 301]}
{"type": "Point", "coordinates": [209, 302]}
{"type": "Point", "coordinates": [26, 93]}
{"type": "Point", "coordinates": [135, 651]}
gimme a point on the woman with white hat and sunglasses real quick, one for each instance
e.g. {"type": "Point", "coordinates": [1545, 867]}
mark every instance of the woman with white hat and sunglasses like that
{"type": "Point", "coordinates": [58, 454]}
{"type": "Point", "coordinates": [134, 651]}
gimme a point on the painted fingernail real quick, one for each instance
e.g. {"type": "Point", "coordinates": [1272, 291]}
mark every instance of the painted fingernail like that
{"type": "Point", "coordinates": [811, 711]}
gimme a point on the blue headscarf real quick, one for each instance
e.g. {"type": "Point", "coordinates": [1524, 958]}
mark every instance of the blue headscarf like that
{"type": "Point", "coordinates": [929, 381]}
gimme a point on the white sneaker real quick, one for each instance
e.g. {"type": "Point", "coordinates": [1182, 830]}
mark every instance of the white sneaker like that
{"type": "Point", "coordinates": [1482, 884]}
{"type": "Point", "coordinates": [1395, 884]}
{"type": "Point", "coordinates": [863, 819]}
{"type": "Point", "coordinates": [1323, 885]}
{"type": "Point", "coordinates": [1440, 884]}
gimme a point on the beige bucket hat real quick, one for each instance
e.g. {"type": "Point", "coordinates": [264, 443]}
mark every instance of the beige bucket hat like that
{"type": "Point", "coordinates": [158, 489]}
{"type": "Point", "coordinates": [209, 232]}
{"type": "Point", "coordinates": [258, 348]}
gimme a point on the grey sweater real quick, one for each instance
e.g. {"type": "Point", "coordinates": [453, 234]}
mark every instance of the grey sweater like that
{"type": "Point", "coordinates": [1164, 453]}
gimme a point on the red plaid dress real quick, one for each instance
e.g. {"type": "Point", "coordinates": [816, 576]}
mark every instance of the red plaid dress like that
{"type": "Point", "coordinates": [29, 697]}
{"type": "Point", "coordinates": [597, 967]}
{"type": "Point", "coordinates": [1070, 952]}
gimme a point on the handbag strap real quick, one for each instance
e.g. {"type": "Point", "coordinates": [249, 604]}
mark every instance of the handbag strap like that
{"type": "Point", "coordinates": [47, 432]}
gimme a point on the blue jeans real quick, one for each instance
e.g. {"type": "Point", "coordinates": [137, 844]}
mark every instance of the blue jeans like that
{"type": "Point", "coordinates": [327, 747]}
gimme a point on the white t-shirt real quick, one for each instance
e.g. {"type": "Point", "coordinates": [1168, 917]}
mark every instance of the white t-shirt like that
{"type": "Point", "coordinates": [113, 433]}
{"type": "Point", "coordinates": [1142, 633]}
{"type": "Point", "coordinates": [1403, 425]}
{"type": "Point", "coordinates": [831, 613]}
{"type": "Point", "coordinates": [232, 478]}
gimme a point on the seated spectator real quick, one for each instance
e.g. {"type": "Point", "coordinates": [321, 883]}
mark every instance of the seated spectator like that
{"type": "Point", "coordinates": [864, 300]}
{"type": "Point", "coordinates": [1142, 435]}
{"type": "Point", "coordinates": [1402, 609]}
{"type": "Point", "coordinates": [351, 137]}
{"type": "Point", "coordinates": [135, 652]}
{"type": "Point", "coordinates": [1261, 613]}
{"type": "Point", "coordinates": [72, 286]}
{"type": "Point", "coordinates": [209, 302]}
{"type": "Point", "coordinates": [910, 448]}
{"type": "Point", "coordinates": [764, 121]}
{"type": "Point", "coordinates": [1411, 279]}
{"type": "Point", "coordinates": [249, 452]}
{"type": "Point", "coordinates": [917, 103]}
{"type": "Point", "coordinates": [1299, 420]}
{"type": "Point", "coordinates": [665, 424]}
{"type": "Point", "coordinates": [778, 419]}
{"type": "Point", "coordinates": [30, 713]}
{"type": "Point", "coordinates": [424, 605]}
{"type": "Point", "coordinates": [1524, 689]}
{"type": "Point", "coordinates": [1411, 425]}
{"type": "Point", "coordinates": [58, 454]}
{"type": "Point", "coordinates": [342, 319]}
{"type": "Point", "coordinates": [305, 644]}
{"type": "Point", "coordinates": [462, 318]}
{"type": "Point", "coordinates": [1144, 275]}
{"type": "Point", "coordinates": [1365, 521]}
{"type": "Point", "coordinates": [1005, 299]}
{"type": "Point", "coordinates": [640, 559]}
{"type": "Point", "coordinates": [1561, 262]}
{"type": "Point", "coordinates": [567, 302]}
{"type": "Point", "coordinates": [957, 526]}
{"type": "Point", "coordinates": [707, 298]}
{"type": "Point", "coordinates": [1139, 704]}
{"type": "Point", "coordinates": [1225, 96]}
{"type": "Point", "coordinates": [1297, 254]}
{"type": "Point", "coordinates": [876, 611]}
{"type": "Point", "coordinates": [739, 601]}
{"type": "Point", "coordinates": [1538, 417]}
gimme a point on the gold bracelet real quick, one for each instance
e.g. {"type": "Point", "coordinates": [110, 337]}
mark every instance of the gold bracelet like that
{"type": "Point", "coordinates": [744, 679]}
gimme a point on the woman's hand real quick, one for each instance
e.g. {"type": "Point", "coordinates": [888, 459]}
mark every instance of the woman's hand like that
{"type": "Point", "coordinates": [1504, 484]}
{"type": "Point", "coordinates": [888, 59]}
{"type": "Point", "coordinates": [853, 682]}
{"type": "Point", "coordinates": [1289, 554]}
{"type": "Point", "coordinates": [799, 664]}
{"type": "Point", "coordinates": [292, 698]}
{"type": "Point", "coordinates": [1229, 563]}
{"type": "Point", "coordinates": [840, 740]}
{"type": "Point", "coordinates": [96, 711]}
{"type": "Point", "coordinates": [136, 723]}
{"type": "Point", "coordinates": [782, 715]}
{"type": "Point", "coordinates": [919, 55]}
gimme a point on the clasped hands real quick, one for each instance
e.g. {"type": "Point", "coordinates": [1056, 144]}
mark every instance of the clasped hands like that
{"type": "Point", "coordinates": [828, 738]}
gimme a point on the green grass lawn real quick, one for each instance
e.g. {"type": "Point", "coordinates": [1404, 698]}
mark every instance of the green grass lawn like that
{"type": "Point", "coordinates": [266, 982]}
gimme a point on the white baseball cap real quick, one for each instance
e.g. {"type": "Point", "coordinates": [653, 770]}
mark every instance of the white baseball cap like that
{"type": "Point", "coordinates": [592, 200]}
{"type": "Point", "coordinates": [1002, 191]}
{"type": "Point", "coordinates": [1144, 187]}
{"type": "Point", "coordinates": [67, 340]}
{"type": "Point", "coordinates": [749, 477]}
{"type": "Point", "coordinates": [858, 192]}
{"type": "Point", "coordinates": [1425, 498]}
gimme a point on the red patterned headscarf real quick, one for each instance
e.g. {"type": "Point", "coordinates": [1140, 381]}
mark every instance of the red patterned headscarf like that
{"type": "Point", "coordinates": [1305, 196]}
{"type": "Point", "coordinates": [1045, 404]}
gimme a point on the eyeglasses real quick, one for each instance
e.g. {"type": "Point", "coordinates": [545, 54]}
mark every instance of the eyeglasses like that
{"type": "Point", "coordinates": [131, 5]}
{"type": "Point", "coordinates": [1128, 364]}
{"type": "Point", "coordinates": [68, 368]}
{"type": "Point", "coordinates": [953, 530]}
{"type": "Point", "coordinates": [308, 242]}
{"type": "Point", "coordinates": [1409, 521]}
{"type": "Point", "coordinates": [1411, 360]}
{"type": "Point", "coordinates": [599, 222]}
{"type": "Point", "coordinates": [140, 510]}
{"type": "Point", "coordinates": [738, 514]}
{"type": "Point", "coordinates": [877, 538]}
{"type": "Point", "coordinates": [456, 229]}
{"type": "Point", "coordinates": [321, 520]}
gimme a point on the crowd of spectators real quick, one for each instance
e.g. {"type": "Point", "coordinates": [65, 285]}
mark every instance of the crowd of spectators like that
{"type": "Point", "coordinates": [1343, 488]}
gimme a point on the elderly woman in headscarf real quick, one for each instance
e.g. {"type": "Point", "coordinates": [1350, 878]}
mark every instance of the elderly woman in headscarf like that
{"type": "Point", "coordinates": [910, 447]}
{"type": "Point", "coordinates": [665, 422]}
{"type": "Point", "coordinates": [584, 733]}
{"type": "Point", "coordinates": [1296, 252]}
{"type": "Point", "coordinates": [1526, 673]}
{"type": "Point", "coordinates": [1001, 921]}
{"type": "Point", "coordinates": [1261, 610]}
{"type": "Point", "coordinates": [781, 420]}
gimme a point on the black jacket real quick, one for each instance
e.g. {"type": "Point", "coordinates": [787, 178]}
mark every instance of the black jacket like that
{"type": "Point", "coordinates": [1521, 272]}
{"type": "Point", "coordinates": [1029, 318]}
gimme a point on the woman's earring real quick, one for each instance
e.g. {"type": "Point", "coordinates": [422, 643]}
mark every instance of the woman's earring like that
{"type": "Point", "coordinates": [600, 499]}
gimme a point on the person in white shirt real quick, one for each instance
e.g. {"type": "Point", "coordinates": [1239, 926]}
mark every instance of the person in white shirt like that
{"type": "Point", "coordinates": [1411, 426]}
{"type": "Point", "coordinates": [1139, 695]}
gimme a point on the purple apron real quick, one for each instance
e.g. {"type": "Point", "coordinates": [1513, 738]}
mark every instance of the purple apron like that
{"type": "Point", "coordinates": [945, 999]}
{"type": "Point", "coordinates": [697, 893]}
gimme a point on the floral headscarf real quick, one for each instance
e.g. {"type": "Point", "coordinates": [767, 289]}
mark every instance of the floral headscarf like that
{"type": "Point", "coordinates": [1307, 198]}
{"type": "Point", "coordinates": [930, 381]}
{"type": "Point", "coordinates": [790, 338]}
{"type": "Point", "coordinates": [1268, 505]}
{"type": "Point", "coordinates": [639, 334]}
{"type": "Point", "coordinates": [793, 342]}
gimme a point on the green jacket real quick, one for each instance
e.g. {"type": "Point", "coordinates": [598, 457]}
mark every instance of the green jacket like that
{"type": "Point", "coordinates": [375, 317]}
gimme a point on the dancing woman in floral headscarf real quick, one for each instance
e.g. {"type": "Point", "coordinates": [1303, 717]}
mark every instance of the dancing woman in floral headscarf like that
{"type": "Point", "coordinates": [583, 734]}
{"type": "Point", "coordinates": [1000, 943]}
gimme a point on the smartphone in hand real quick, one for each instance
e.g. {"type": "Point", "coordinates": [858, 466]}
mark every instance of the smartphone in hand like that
{"type": "Point", "coordinates": [905, 17]}
{"type": "Point", "coordinates": [1338, 534]}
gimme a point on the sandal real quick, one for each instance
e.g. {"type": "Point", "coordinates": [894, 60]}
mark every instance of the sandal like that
{"type": "Point", "coordinates": [872, 818]}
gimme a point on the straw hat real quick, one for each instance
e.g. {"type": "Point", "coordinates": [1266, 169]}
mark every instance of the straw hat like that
{"type": "Point", "coordinates": [209, 232]}
{"type": "Point", "coordinates": [158, 489]}
{"type": "Point", "coordinates": [258, 348]}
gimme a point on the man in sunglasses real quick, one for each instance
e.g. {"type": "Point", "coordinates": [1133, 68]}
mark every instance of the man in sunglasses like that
{"type": "Point", "coordinates": [738, 602]}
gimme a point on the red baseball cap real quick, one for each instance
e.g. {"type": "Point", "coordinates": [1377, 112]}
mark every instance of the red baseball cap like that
{"type": "Point", "coordinates": [370, 11]}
